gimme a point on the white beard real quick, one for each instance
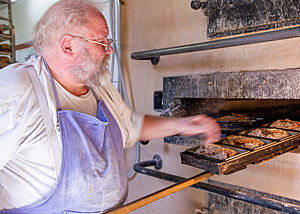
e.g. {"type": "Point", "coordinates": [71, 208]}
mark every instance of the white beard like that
{"type": "Point", "coordinates": [91, 72]}
{"type": "Point", "coordinates": [102, 76]}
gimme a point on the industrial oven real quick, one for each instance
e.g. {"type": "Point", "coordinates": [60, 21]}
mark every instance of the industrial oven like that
{"type": "Point", "coordinates": [260, 98]}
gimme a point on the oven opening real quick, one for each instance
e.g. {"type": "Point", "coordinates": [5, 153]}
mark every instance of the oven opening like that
{"type": "Point", "coordinates": [235, 115]}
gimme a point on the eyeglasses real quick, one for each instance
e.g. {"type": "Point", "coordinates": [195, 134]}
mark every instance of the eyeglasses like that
{"type": "Point", "coordinates": [107, 46]}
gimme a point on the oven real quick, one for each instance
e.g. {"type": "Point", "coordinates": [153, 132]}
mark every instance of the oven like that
{"type": "Point", "coordinates": [241, 102]}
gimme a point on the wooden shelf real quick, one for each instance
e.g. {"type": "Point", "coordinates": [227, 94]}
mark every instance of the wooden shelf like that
{"type": "Point", "coordinates": [5, 53]}
{"type": "Point", "coordinates": [4, 37]}
{"type": "Point", "coordinates": [5, 1]}
{"type": "Point", "coordinates": [4, 18]}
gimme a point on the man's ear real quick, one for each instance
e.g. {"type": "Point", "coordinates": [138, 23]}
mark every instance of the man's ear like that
{"type": "Point", "coordinates": [66, 45]}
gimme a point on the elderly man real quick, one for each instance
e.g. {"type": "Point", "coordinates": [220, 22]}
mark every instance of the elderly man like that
{"type": "Point", "coordinates": [63, 124]}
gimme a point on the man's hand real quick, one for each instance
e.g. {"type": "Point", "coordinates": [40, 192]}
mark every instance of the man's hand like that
{"type": "Point", "coordinates": [157, 127]}
{"type": "Point", "coordinates": [206, 127]}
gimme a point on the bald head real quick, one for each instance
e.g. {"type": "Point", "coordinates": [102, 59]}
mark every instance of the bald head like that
{"type": "Point", "coordinates": [64, 17]}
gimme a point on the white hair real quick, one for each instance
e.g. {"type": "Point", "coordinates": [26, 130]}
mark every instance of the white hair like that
{"type": "Point", "coordinates": [65, 16]}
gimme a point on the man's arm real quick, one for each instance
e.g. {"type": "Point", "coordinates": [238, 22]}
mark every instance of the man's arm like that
{"type": "Point", "coordinates": [157, 127]}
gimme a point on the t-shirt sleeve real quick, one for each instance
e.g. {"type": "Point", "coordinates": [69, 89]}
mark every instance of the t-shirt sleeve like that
{"type": "Point", "coordinates": [129, 121]}
{"type": "Point", "coordinates": [134, 122]}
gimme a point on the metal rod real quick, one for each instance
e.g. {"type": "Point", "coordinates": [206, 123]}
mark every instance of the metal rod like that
{"type": "Point", "coordinates": [222, 43]}
{"type": "Point", "coordinates": [231, 193]}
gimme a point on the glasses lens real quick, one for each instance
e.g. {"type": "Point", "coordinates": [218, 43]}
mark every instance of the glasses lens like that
{"type": "Point", "coordinates": [110, 41]}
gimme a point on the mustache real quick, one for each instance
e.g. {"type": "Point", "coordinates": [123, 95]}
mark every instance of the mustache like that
{"type": "Point", "coordinates": [102, 74]}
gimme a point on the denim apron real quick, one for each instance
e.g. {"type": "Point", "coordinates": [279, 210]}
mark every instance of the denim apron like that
{"type": "Point", "coordinates": [92, 177]}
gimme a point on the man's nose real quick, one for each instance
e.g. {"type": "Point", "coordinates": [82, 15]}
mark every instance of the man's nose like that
{"type": "Point", "coordinates": [110, 50]}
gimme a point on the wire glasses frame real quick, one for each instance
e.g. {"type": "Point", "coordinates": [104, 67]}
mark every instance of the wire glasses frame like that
{"type": "Point", "coordinates": [107, 46]}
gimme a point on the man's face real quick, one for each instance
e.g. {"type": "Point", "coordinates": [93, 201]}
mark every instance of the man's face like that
{"type": "Point", "coordinates": [90, 70]}
{"type": "Point", "coordinates": [90, 66]}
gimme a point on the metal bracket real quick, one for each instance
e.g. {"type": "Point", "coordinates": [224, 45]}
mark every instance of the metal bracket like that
{"type": "Point", "coordinates": [141, 166]}
{"type": "Point", "coordinates": [144, 142]}
{"type": "Point", "coordinates": [158, 160]}
{"type": "Point", "coordinates": [155, 60]}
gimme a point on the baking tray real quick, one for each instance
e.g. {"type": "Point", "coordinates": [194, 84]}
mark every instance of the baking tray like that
{"type": "Point", "coordinates": [292, 130]}
{"type": "Point", "coordinates": [264, 140]}
{"type": "Point", "coordinates": [245, 133]}
{"type": "Point", "coordinates": [240, 161]}
{"type": "Point", "coordinates": [237, 126]}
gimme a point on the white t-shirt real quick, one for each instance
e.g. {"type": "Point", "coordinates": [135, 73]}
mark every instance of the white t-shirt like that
{"type": "Point", "coordinates": [27, 170]}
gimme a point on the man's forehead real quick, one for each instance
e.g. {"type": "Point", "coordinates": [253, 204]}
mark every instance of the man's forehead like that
{"type": "Point", "coordinates": [97, 24]}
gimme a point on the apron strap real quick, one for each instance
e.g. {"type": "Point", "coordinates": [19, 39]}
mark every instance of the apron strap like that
{"type": "Point", "coordinates": [51, 132]}
{"type": "Point", "coordinates": [95, 95]}
{"type": "Point", "coordinates": [53, 86]}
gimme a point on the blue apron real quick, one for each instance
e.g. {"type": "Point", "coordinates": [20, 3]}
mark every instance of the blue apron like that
{"type": "Point", "coordinates": [92, 177]}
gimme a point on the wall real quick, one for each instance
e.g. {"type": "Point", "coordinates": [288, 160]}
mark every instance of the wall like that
{"type": "Point", "coordinates": [158, 24]}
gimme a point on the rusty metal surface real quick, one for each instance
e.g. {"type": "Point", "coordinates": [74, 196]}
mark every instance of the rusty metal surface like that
{"type": "Point", "coordinates": [282, 84]}
{"type": "Point", "coordinates": [231, 17]}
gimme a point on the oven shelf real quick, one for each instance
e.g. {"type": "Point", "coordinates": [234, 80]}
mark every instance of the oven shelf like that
{"type": "Point", "coordinates": [4, 18]}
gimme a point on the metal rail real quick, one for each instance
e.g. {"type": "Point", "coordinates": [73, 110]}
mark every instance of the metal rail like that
{"type": "Point", "coordinates": [154, 55]}
{"type": "Point", "coordinates": [270, 203]}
